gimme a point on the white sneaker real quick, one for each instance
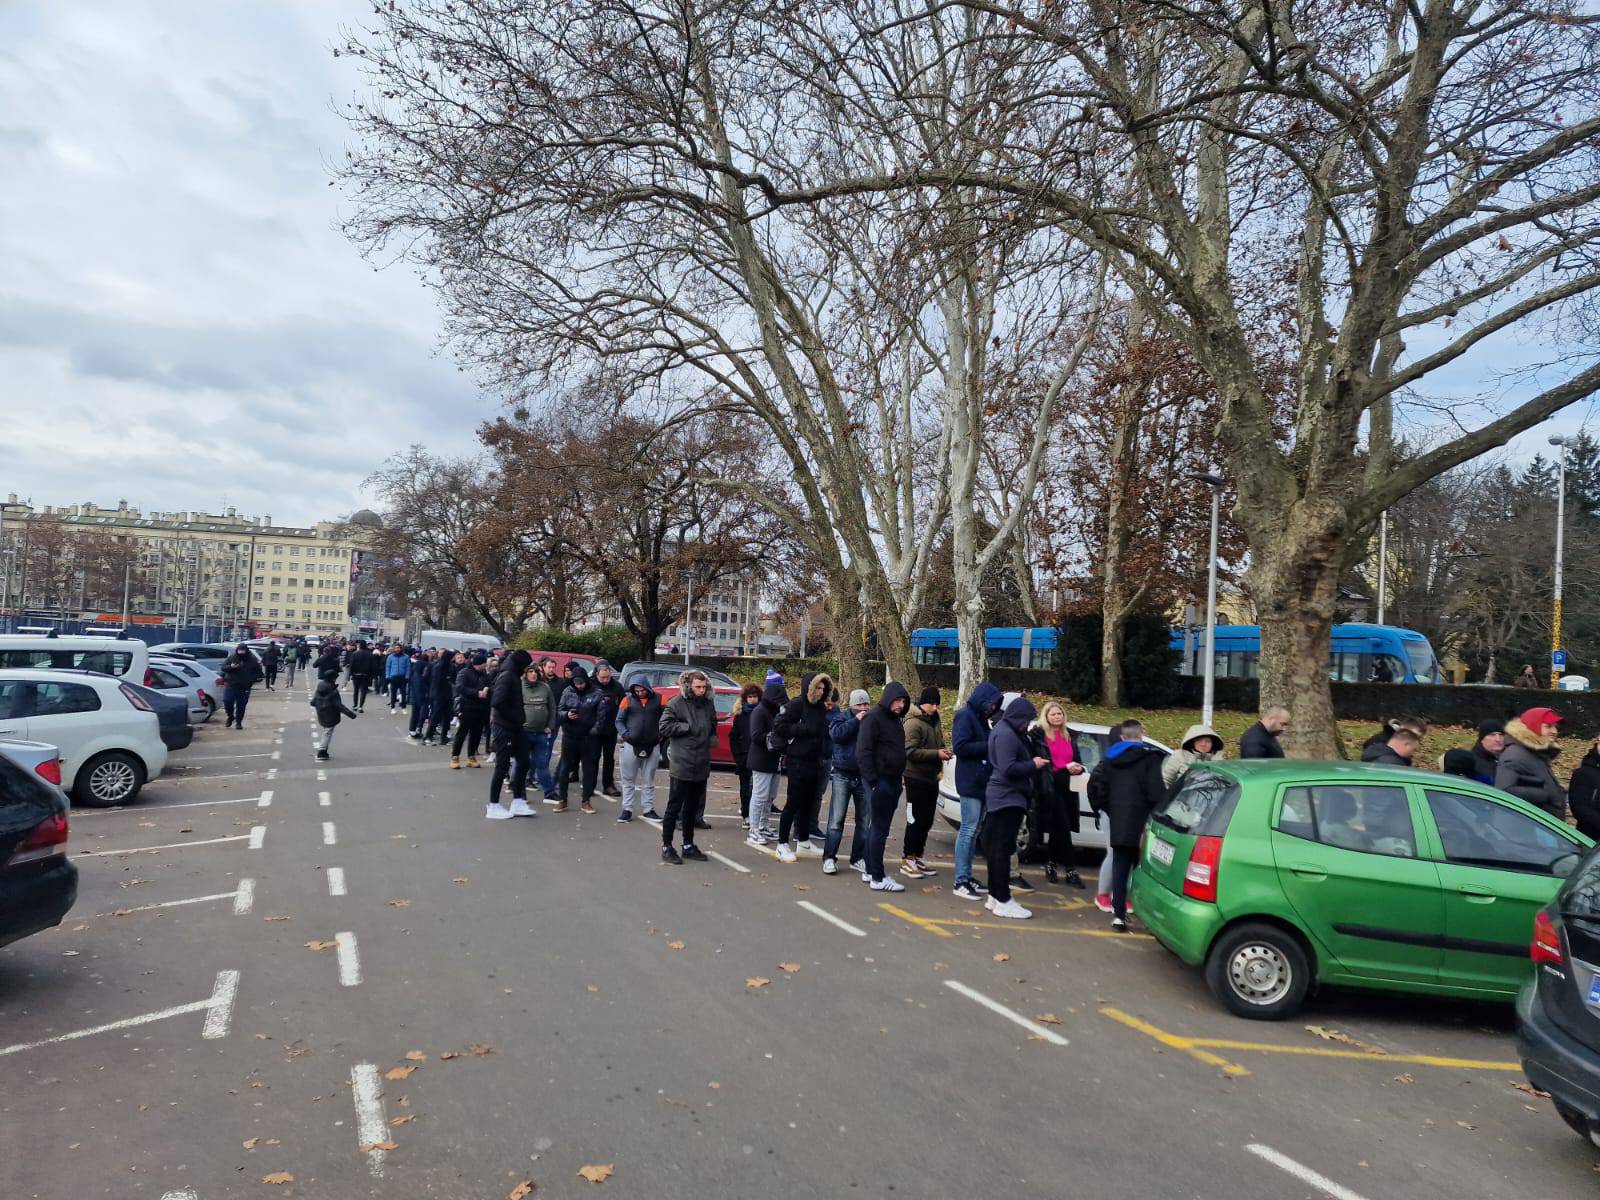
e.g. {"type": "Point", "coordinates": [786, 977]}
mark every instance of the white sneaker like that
{"type": "Point", "coordinates": [924, 867]}
{"type": "Point", "coordinates": [988, 902]}
{"type": "Point", "coordinates": [857, 864]}
{"type": "Point", "coordinates": [887, 884]}
{"type": "Point", "coordinates": [787, 854]}
{"type": "Point", "coordinates": [830, 866]}
{"type": "Point", "coordinates": [496, 813]}
{"type": "Point", "coordinates": [520, 808]}
{"type": "Point", "coordinates": [1012, 910]}
{"type": "Point", "coordinates": [810, 850]}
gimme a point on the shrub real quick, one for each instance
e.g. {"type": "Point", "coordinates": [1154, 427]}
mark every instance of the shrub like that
{"type": "Point", "coordinates": [614, 643]}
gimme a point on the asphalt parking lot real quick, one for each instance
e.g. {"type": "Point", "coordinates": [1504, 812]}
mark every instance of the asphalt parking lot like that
{"type": "Point", "coordinates": [285, 978]}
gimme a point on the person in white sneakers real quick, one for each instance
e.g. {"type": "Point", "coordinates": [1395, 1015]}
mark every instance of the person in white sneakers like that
{"type": "Point", "coordinates": [1005, 801]}
{"type": "Point", "coordinates": [881, 759]}
{"type": "Point", "coordinates": [763, 758]}
{"type": "Point", "coordinates": [506, 715]}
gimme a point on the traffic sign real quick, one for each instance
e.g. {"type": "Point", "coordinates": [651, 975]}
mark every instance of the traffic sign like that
{"type": "Point", "coordinates": [1558, 658]}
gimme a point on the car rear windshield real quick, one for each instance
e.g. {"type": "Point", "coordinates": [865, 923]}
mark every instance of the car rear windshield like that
{"type": "Point", "coordinates": [1582, 893]}
{"type": "Point", "coordinates": [1202, 806]}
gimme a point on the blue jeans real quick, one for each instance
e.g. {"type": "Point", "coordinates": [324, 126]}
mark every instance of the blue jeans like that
{"type": "Point", "coordinates": [539, 759]}
{"type": "Point", "coordinates": [846, 788]}
{"type": "Point", "coordinates": [967, 835]}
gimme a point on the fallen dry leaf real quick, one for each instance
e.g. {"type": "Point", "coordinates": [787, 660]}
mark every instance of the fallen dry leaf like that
{"type": "Point", "coordinates": [416, 1056]}
{"type": "Point", "coordinates": [274, 918]}
{"type": "Point", "coordinates": [1335, 1035]}
{"type": "Point", "coordinates": [403, 903]}
{"type": "Point", "coordinates": [405, 1119]}
{"type": "Point", "coordinates": [278, 1177]}
{"type": "Point", "coordinates": [147, 824]}
{"type": "Point", "coordinates": [713, 1084]}
{"type": "Point", "coordinates": [973, 912]}
{"type": "Point", "coordinates": [480, 1051]}
{"type": "Point", "coordinates": [1002, 957]}
{"type": "Point", "coordinates": [379, 1146]}
{"type": "Point", "coordinates": [398, 1072]}
{"type": "Point", "coordinates": [757, 981]}
{"type": "Point", "coordinates": [1405, 1078]}
{"type": "Point", "coordinates": [1466, 1124]}
{"type": "Point", "coordinates": [1531, 1090]}
{"type": "Point", "coordinates": [449, 1054]}
{"type": "Point", "coordinates": [674, 945]}
{"type": "Point", "coordinates": [789, 967]}
{"type": "Point", "coordinates": [250, 1144]}
{"type": "Point", "coordinates": [522, 1191]}
{"type": "Point", "coordinates": [800, 887]}
{"type": "Point", "coordinates": [595, 1173]}
{"type": "Point", "coordinates": [120, 912]}
{"type": "Point", "coordinates": [1048, 1019]}
{"type": "Point", "coordinates": [932, 888]}
{"type": "Point", "coordinates": [592, 988]}
{"type": "Point", "coordinates": [459, 879]}
{"type": "Point", "coordinates": [321, 944]}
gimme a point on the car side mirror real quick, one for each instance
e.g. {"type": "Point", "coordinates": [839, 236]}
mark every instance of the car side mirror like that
{"type": "Point", "coordinates": [1566, 864]}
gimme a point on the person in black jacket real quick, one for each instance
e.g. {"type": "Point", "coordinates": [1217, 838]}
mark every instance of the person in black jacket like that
{"type": "Point", "coordinates": [363, 666]}
{"type": "Point", "coordinates": [739, 745]}
{"type": "Point", "coordinates": [443, 701]}
{"type": "Point", "coordinates": [270, 658]}
{"type": "Point", "coordinates": [689, 725]}
{"type": "Point", "coordinates": [472, 710]}
{"type": "Point", "coordinates": [610, 689]}
{"type": "Point", "coordinates": [638, 731]}
{"type": "Point", "coordinates": [1479, 762]}
{"type": "Point", "coordinates": [1396, 751]}
{"type": "Point", "coordinates": [1526, 766]}
{"type": "Point", "coordinates": [1014, 768]}
{"type": "Point", "coordinates": [881, 759]}
{"type": "Point", "coordinates": [420, 686]}
{"type": "Point", "coordinates": [329, 708]}
{"type": "Point", "coordinates": [802, 730]}
{"type": "Point", "coordinates": [581, 708]}
{"type": "Point", "coordinates": [763, 758]}
{"type": "Point", "coordinates": [1261, 739]}
{"type": "Point", "coordinates": [506, 738]}
{"type": "Point", "coordinates": [1583, 792]}
{"type": "Point", "coordinates": [1126, 786]}
{"type": "Point", "coordinates": [240, 672]}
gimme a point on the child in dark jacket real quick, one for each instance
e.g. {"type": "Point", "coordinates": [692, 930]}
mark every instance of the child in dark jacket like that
{"type": "Point", "coordinates": [330, 708]}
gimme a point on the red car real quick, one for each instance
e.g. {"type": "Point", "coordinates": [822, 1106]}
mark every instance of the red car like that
{"type": "Point", "coordinates": [727, 702]}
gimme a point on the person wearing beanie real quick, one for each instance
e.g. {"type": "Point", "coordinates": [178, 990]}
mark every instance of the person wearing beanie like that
{"type": "Point", "coordinates": [581, 709]}
{"type": "Point", "coordinates": [773, 677]}
{"type": "Point", "coordinates": [471, 688]}
{"type": "Point", "coordinates": [1478, 763]}
{"type": "Point", "coordinates": [506, 738]}
{"type": "Point", "coordinates": [1525, 766]}
{"type": "Point", "coordinates": [844, 726]}
{"type": "Point", "coordinates": [925, 758]}
{"type": "Point", "coordinates": [330, 708]}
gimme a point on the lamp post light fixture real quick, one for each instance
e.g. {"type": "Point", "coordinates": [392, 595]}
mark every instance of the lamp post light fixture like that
{"type": "Point", "coordinates": [1558, 658]}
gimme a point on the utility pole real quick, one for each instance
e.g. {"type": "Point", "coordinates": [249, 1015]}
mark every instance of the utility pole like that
{"type": "Point", "coordinates": [688, 617]}
{"type": "Point", "coordinates": [1383, 564]}
{"type": "Point", "coordinates": [1213, 480]}
{"type": "Point", "coordinates": [1558, 656]}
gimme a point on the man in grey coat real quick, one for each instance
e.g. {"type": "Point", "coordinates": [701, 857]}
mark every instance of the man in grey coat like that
{"type": "Point", "coordinates": [689, 727]}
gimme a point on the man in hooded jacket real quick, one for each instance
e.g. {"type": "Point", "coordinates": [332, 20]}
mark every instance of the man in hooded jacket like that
{"type": "Point", "coordinates": [802, 729]}
{"type": "Point", "coordinates": [764, 759]}
{"type": "Point", "coordinates": [638, 734]}
{"type": "Point", "coordinates": [881, 759]}
{"type": "Point", "coordinates": [689, 725]}
{"type": "Point", "coordinates": [582, 708]}
{"type": "Point", "coordinates": [506, 738]}
{"type": "Point", "coordinates": [1126, 786]}
{"type": "Point", "coordinates": [1013, 767]}
{"type": "Point", "coordinates": [969, 739]}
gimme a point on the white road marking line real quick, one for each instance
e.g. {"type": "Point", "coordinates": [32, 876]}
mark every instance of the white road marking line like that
{"type": "Point", "coordinates": [278, 741]}
{"type": "Point", "coordinates": [266, 799]}
{"type": "Point", "coordinates": [330, 835]}
{"type": "Point", "coordinates": [223, 995]}
{"type": "Point", "coordinates": [322, 776]}
{"type": "Point", "coordinates": [370, 1126]}
{"type": "Point", "coordinates": [181, 1194]}
{"type": "Point", "coordinates": [168, 846]}
{"type": "Point", "coordinates": [325, 799]}
{"type": "Point", "coordinates": [830, 918]}
{"type": "Point", "coordinates": [276, 754]}
{"type": "Point", "coordinates": [244, 899]}
{"type": "Point", "coordinates": [272, 773]}
{"type": "Point", "coordinates": [349, 960]}
{"type": "Point", "coordinates": [1303, 1173]}
{"type": "Point", "coordinates": [728, 862]}
{"type": "Point", "coordinates": [169, 904]}
{"type": "Point", "coordinates": [220, 758]}
{"type": "Point", "coordinates": [79, 814]}
{"type": "Point", "coordinates": [258, 836]}
{"type": "Point", "coordinates": [336, 881]}
{"type": "Point", "coordinates": [994, 1006]}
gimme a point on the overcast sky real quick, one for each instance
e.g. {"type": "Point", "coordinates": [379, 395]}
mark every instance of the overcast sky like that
{"type": "Point", "coordinates": [181, 324]}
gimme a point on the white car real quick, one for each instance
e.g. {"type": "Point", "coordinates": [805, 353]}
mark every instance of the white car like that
{"type": "Point", "coordinates": [124, 658]}
{"type": "Point", "coordinates": [1089, 744]}
{"type": "Point", "coordinates": [194, 681]}
{"type": "Point", "coordinates": [108, 735]}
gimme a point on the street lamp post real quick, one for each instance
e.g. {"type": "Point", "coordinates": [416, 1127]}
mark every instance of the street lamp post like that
{"type": "Point", "coordinates": [1557, 658]}
{"type": "Point", "coordinates": [1213, 480]}
{"type": "Point", "coordinates": [1383, 564]}
{"type": "Point", "coordinates": [688, 618]}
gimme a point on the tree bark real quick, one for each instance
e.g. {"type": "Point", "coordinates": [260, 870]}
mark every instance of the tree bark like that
{"type": "Point", "coordinates": [844, 606]}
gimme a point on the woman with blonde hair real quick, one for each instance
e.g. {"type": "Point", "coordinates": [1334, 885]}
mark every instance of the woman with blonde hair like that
{"type": "Point", "coordinates": [1056, 805]}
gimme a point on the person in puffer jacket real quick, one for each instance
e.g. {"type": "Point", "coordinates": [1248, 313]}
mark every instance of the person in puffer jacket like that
{"type": "Point", "coordinates": [1126, 786]}
{"type": "Point", "coordinates": [969, 739]}
{"type": "Point", "coordinates": [1525, 768]}
{"type": "Point", "coordinates": [419, 691]}
{"type": "Point", "coordinates": [881, 759]}
{"type": "Point", "coordinates": [638, 727]}
{"type": "Point", "coordinates": [689, 726]}
{"type": "Point", "coordinates": [1013, 768]}
{"type": "Point", "coordinates": [844, 726]}
{"type": "Point", "coordinates": [396, 671]}
{"type": "Point", "coordinates": [506, 739]}
{"type": "Point", "coordinates": [330, 707]}
{"type": "Point", "coordinates": [582, 706]}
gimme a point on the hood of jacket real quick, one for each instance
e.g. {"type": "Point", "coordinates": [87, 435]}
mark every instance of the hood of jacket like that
{"type": "Point", "coordinates": [984, 697]}
{"type": "Point", "coordinates": [1382, 752]}
{"type": "Point", "coordinates": [1194, 732]}
{"type": "Point", "coordinates": [1523, 736]}
{"type": "Point", "coordinates": [1020, 713]}
{"type": "Point", "coordinates": [518, 661]}
{"type": "Point", "coordinates": [774, 696]}
{"type": "Point", "coordinates": [688, 677]}
{"type": "Point", "coordinates": [893, 690]}
{"type": "Point", "coordinates": [642, 692]}
{"type": "Point", "coordinates": [819, 687]}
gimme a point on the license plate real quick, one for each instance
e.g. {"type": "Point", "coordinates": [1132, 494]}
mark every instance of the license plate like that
{"type": "Point", "coordinates": [1160, 851]}
{"type": "Point", "coordinates": [1594, 991]}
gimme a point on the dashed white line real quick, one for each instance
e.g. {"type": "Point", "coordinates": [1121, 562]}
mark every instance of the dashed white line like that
{"type": "Point", "coordinates": [258, 836]}
{"type": "Point", "coordinates": [272, 773]}
{"type": "Point", "coordinates": [336, 881]}
{"type": "Point", "coordinates": [169, 904]}
{"type": "Point", "coordinates": [244, 898]}
{"type": "Point", "coordinates": [266, 799]}
{"type": "Point", "coordinates": [79, 814]}
{"type": "Point", "coordinates": [276, 754]}
{"type": "Point", "coordinates": [728, 862]}
{"type": "Point", "coordinates": [830, 918]}
{"type": "Point", "coordinates": [322, 776]}
{"type": "Point", "coordinates": [994, 1006]}
{"type": "Point", "coordinates": [168, 846]}
{"type": "Point", "coordinates": [349, 959]}
{"type": "Point", "coordinates": [330, 835]}
{"type": "Point", "coordinates": [370, 1127]}
{"type": "Point", "coordinates": [220, 1015]}
{"type": "Point", "coordinates": [325, 799]}
{"type": "Point", "coordinates": [181, 1194]}
{"type": "Point", "coordinates": [226, 988]}
{"type": "Point", "coordinates": [1302, 1172]}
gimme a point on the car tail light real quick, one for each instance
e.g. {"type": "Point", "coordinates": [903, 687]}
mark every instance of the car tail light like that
{"type": "Point", "coordinates": [135, 699]}
{"type": "Point", "coordinates": [201, 692]}
{"type": "Point", "coordinates": [48, 839]}
{"type": "Point", "coordinates": [49, 771]}
{"type": "Point", "coordinates": [149, 677]}
{"type": "Point", "coordinates": [1200, 876]}
{"type": "Point", "coordinates": [1546, 946]}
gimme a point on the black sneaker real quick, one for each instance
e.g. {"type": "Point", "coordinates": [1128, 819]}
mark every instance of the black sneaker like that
{"type": "Point", "coordinates": [624, 818]}
{"type": "Point", "coordinates": [1021, 884]}
{"type": "Point", "coordinates": [650, 814]}
{"type": "Point", "coordinates": [694, 852]}
{"type": "Point", "coordinates": [668, 854]}
{"type": "Point", "coordinates": [1073, 879]}
{"type": "Point", "coordinates": [322, 756]}
{"type": "Point", "coordinates": [702, 823]}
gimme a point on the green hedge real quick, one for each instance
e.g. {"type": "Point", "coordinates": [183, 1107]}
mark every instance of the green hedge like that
{"type": "Point", "coordinates": [611, 642]}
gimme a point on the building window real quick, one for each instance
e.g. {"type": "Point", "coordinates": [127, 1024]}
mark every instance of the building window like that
{"type": "Point", "coordinates": [260, 580]}
{"type": "Point", "coordinates": [257, 597]}
{"type": "Point", "coordinates": [272, 612]}
{"type": "Point", "coordinates": [295, 551]}
{"type": "Point", "coordinates": [277, 580]}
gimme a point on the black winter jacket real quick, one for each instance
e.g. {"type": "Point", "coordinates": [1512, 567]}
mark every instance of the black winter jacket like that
{"type": "Point", "coordinates": [469, 681]}
{"type": "Point", "coordinates": [505, 693]}
{"type": "Point", "coordinates": [760, 758]}
{"type": "Point", "coordinates": [329, 705]}
{"type": "Point", "coordinates": [1476, 763]}
{"type": "Point", "coordinates": [1259, 742]}
{"type": "Point", "coordinates": [1126, 786]}
{"type": "Point", "coordinates": [802, 728]}
{"type": "Point", "coordinates": [581, 710]}
{"type": "Point", "coordinates": [739, 734]}
{"type": "Point", "coordinates": [881, 740]}
{"type": "Point", "coordinates": [638, 719]}
{"type": "Point", "coordinates": [1012, 771]}
{"type": "Point", "coordinates": [364, 662]}
{"type": "Point", "coordinates": [1383, 753]}
{"type": "Point", "coordinates": [1583, 793]}
{"type": "Point", "coordinates": [240, 672]}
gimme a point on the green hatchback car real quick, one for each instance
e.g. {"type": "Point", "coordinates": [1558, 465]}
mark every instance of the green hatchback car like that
{"type": "Point", "coordinates": [1277, 875]}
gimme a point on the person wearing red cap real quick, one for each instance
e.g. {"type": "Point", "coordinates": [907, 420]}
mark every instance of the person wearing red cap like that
{"type": "Point", "coordinates": [1524, 768]}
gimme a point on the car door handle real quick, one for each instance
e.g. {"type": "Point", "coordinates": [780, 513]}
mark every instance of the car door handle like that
{"type": "Point", "coordinates": [1476, 895]}
{"type": "Point", "coordinates": [10, 729]}
{"type": "Point", "coordinates": [1308, 871]}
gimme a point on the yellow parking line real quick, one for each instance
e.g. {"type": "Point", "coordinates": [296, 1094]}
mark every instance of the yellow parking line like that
{"type": "Point", "coordinates": [1197, 1047]}
{"type": "Point", "coordinates": [1187, 1045]}
{"type": "Point", "coordinates": [937, 925]}
{"type": "Point", "coordinates": [922, 922]}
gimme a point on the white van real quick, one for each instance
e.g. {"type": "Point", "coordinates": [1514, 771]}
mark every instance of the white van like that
{"type": "Point", "coordinates": [450, 639]}
{"type": "Point", "coordinates": [121, 658]}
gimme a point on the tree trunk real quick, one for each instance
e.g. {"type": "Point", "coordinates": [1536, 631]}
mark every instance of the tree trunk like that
{"type": "Point", "coordinates": [1295, 584]}
{"type": "Point", "coordinates": [891, 630]}
{"type": "Point", "coordinates": [1488, 670]}
{"type": "Point", "coordinates": [1111, 656]}
{"type": "Point", "coordinates": [844, 606]}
